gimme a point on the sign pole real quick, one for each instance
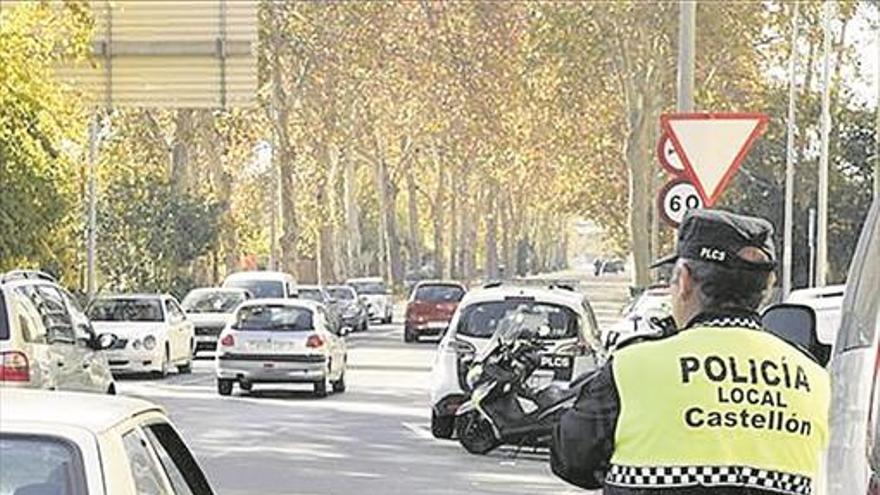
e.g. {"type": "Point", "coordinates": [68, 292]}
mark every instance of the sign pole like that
{"type": "Point", "coordinates": [92, 215]}
{"type": "Point", "coordinates": [788, 222]}
{"type": "Point", "coordinates": [822, 210]}
{"type": "Point", "coordinates": [686, 47]}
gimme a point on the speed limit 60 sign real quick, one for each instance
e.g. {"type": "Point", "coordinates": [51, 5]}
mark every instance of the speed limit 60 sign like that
{"type": "Point", "coordinates": [677, 197]}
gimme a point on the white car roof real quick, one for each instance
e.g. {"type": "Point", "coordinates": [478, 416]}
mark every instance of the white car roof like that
{"type": "Point", "coordinates": [294, 303]}
{"type": "Point", "coordinates": [226, 290]}
{"type": "Point", "coordinates": [830, 291]}
{"type": "Point", "coordinates": [365, 280]}
{"type": "Point", "coordinates": [561, 297]}
{"type": "Point", "coordinates": [259, 275]}
{"type": "Point", "coordinates": [131, 296]}
{"type": "Point", "coordinates": [90, 411]}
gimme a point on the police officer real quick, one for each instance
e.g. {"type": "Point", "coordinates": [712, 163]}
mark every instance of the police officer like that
{"type": "Point", "coordinates": [719, 407]}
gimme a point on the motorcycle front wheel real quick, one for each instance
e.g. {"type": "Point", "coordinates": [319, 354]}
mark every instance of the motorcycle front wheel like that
{"type": "Point", "coordinates": [475, 433]}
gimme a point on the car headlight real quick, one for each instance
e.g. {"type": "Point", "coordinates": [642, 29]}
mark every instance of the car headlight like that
{"type": "Point", "coordinates": [149, 342]}
{"type": "Point", "coordinates": [473, 375]}
{"type": "Point", "coordinates": [135, 344]}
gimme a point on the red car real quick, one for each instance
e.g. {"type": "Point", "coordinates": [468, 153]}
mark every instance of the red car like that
{"type": "Point", "coordinates": [430, 308]}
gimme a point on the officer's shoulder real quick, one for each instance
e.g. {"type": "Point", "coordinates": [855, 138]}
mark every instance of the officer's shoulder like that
{"type": "Point", "coordinates": [635, 340]}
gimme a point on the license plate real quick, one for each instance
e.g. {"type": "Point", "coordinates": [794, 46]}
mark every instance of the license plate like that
{"type": "Point", "coordinates": [437, 325]}
{"type": "Point", "coordinates": [553, 362]}
{"type": "Point", "coordinates": [268, 365]}
{"type": "Point", "coordinates": [204, 338]}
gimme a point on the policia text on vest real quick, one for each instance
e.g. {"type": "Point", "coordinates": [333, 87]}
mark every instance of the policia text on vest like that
{"type": "Point", "coordinates": [759, 386]}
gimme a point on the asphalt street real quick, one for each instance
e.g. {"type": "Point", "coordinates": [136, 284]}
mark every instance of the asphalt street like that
{"type": "Point", "coordinates": [372, 439]}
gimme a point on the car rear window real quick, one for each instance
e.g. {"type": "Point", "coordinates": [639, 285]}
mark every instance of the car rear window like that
{"type": "Point", "coordinates": [481, 319]}
{"type": "Point", "coordinates": [439, 293]}
{"type": "Point", "coordinates": [369, 287]}
{"type": "Point", "coordinates": [4, 319]}
{"type": "Point", "coordinates": [273, 318]}
{"type": "Point", "coordinates": [40, 464]}
{"type": "Point", "coordinates": [861, 303]}
{"type": "Point", "coordinates": [310, 295]}
{"type": "Point", "coordinates": [260, 289]}
{"type": "Point", "coordinates": [126, 310]}
{"type": "Point", "coordinates": [342, 293]}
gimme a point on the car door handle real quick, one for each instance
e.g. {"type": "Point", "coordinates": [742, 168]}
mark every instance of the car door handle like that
{"type": "Point", "coordinates": [87, 365]}
{"type": "Point", "coordinates": [60, 364]}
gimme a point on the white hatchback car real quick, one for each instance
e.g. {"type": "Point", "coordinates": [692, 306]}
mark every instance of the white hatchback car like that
{"type": "Point", "coordinates": [571, 349]}
{"type": "Point", "coordinates": [376, 296]}
{"type": "Point", "coordinates": [153, 333]}
{"type": "Point", "coordinates": [76, 444]}
{"type": "Point", "coordinates": [281, 341]}
{"type": "Point", "coordinates": [46, 341]}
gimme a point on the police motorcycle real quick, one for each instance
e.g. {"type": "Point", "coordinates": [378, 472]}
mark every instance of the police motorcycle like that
{"type": "Point", "coordinates": [505, 405]}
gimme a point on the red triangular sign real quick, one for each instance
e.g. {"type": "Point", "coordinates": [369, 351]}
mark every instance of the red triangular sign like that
{"type": "Point", "coordinates": [712, 146]}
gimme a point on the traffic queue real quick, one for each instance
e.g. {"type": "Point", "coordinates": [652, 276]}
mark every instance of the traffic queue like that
{"type": "Point", "coordinates": [515, 365]}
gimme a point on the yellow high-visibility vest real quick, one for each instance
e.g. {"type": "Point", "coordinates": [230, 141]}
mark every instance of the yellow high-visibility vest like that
{"type": "Point", "coordinates": [719, 406]}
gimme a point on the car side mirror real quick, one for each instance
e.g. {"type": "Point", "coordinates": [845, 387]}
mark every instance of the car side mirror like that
{"type": "Point", "coordinates": [796, 324]}
{"type": "Point", "coordinates": [104, 341]}
{"type": "Point", "coordinates": [343, 331]}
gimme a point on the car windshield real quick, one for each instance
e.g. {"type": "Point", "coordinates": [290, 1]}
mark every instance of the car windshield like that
{"type": "Point", "coordinates": [260, 289]}
{"type": "Point", "coordinates": [310, 294]}
{"type": "Point", "coordinates": [549, 320]}
{"type": "Point", "coordinates": [39, 465]}
{"type": "Point", "coordinates": [342, 293]}
{"type": "Point", "coordinates": [126, 310]}
{"type": "Point", "coordinates": [273, 317]}
{"type": "Point", "coordinates": [212, 301]}
{"type": "Point", "coordinates": [439, 293]}
{"type": "Point", "coordinates": [4, 320]}
{"type": "Point", "coordinates": [371, 288]}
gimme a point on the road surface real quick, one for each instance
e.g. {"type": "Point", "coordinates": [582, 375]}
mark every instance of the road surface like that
{"type": "Point", "coordinates": [373, 439]}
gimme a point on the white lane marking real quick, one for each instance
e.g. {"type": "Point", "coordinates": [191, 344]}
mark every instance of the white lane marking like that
{"type": "Point", "coordinates": [418, 430]}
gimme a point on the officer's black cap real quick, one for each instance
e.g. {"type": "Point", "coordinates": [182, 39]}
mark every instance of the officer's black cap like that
{"type": "Point", "coordinates": [717, 236]}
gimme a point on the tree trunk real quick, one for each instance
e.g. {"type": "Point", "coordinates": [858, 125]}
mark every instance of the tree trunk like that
{"type": "Point", "coordinates": [637, 153]}
{"type": "Point", "coordinates": [415, 248]}
{"type": "Point", "coordinates": [392, 240]}
{"type": "Point", "coordinates": [352, 218]}
{"type": "Point", "coordinates": [336, 234]}
{"type": "Point", "coordinates": [439, 214]}
{"type": "Point", "coordinates": [491, 269]}
{"type": "Point", "coordinates": [381, 193]}
{"type": "Point", "coordinates": [183, 134]}
{"type": "Point", "coordinates": [454, 216]}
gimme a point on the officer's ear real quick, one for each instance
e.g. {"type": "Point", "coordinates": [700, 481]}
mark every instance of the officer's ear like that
{"type": "Point", "coordinates": [684, 280]}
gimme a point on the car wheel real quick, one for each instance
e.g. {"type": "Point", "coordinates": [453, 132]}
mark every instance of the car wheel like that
{"type": "Point", "coordinates": [224, 386]}
{"type": "Point", "coordinates": [442, 426]}
{"type": "Point", "coordinates": [339, 385]}
{"type": "Point", "coordinates": [166, 365]}
{"type": "Point", "coordinates": [186, 368]}
{"type": "Point", "coordinates": [321, 388]}
{"type": "Point", "coordinates": [245, 385]}
{"type": "Point", "coordinates": [408, 335]}
{"type": "Point", "coordinates": [111, 390]}
{"type": "Point", "coordinates": [475, 433]}
{"type": "Point", "coordinates": [365, 325]}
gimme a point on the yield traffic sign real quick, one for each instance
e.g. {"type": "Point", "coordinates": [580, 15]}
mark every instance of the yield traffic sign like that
{"type": "Point", "coordinates": [712, 146]}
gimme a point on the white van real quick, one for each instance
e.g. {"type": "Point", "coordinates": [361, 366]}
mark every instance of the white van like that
{"type": "Point", "coordinates": [853, 460]}
{"type": "Point", "coordinates": [263, 284]}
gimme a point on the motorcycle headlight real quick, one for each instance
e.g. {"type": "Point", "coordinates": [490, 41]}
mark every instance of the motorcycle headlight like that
{"type": "Point", "coordinates": [473, 375]}
{"type": "Point", "coordinates": [149, 342]}
{"type": "Point", "coordinates": [136, 344]}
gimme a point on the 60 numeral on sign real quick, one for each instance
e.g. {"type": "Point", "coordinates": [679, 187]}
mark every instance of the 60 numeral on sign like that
{"type": "Point", "coordinates": [675, 199]}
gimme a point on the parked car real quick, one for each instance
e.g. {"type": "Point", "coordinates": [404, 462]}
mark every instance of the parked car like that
{"type": "Point", "coordinates": [376, 296]}
{"type": "Point", "coordinates": [46, 340]}
{"type": "Point", "coordinates": [75, 444]}
{"type": "Point", "coordinates": [263, 284]}
{"type": "Point", "coordinates": [430, 308]}
{"type": "Point", "coordinates": [281, 341]}
{"type": "Point", "coordinates": [826, 303]}
{"type": "Point", "coordinates": [352, 309]}
{"type": "Point", "coordinates": [209, 308]}
{"type": "Point", "coordinates": [571, 338]}
{"type": "Point", "coordinates": [654, 302]}
{"type": "Point", "coordinates": [153, 333]}
{"type": "Point", "coordinates": [853, 459]}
